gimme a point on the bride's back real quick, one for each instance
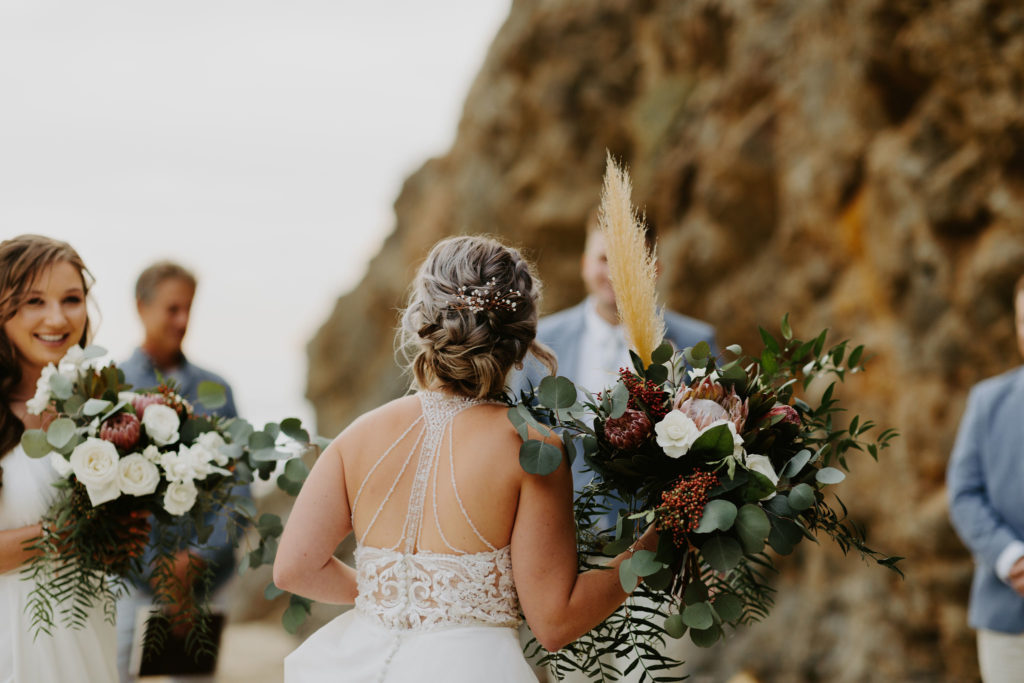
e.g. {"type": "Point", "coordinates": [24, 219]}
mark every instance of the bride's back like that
{"type": "Point", "coordinates": [433, 472]}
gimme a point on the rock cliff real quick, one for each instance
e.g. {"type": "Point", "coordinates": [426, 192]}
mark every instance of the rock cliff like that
{"type": "Point", "coordinates": [857, 163]}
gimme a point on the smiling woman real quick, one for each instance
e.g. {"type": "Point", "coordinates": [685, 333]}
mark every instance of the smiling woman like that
{"type": "Point", "coordinates": [43, 291]}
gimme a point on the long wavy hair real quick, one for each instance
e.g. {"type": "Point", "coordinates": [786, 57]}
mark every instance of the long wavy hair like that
{"type": "Point", "coordinates": [22, 259]}
{"type": "Point", "coordinates": [468, 348]}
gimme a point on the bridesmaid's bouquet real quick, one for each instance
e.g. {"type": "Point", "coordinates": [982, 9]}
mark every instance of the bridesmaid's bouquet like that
{"type": "Point", "coordinates": [730, 458]}
{"type": "Point", "coordinates": [142, 476]}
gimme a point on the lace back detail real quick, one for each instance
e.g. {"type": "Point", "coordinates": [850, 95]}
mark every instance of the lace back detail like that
{"type": "Point", "coordinates": [410, 589]}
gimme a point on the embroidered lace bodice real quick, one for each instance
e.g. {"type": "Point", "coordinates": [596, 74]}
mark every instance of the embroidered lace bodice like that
{"type": "Point", "coordinates": [406, 588]}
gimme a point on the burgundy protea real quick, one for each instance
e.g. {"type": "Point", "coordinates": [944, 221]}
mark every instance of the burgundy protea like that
{"type": "Point", "coordinates": [629, 430]}
{"type": "Point", "coordinates": [788, 414]}
{"type": "Point", "coordinates": [142, 401]}
{"type": "Point", "coordinates": [122, 430]}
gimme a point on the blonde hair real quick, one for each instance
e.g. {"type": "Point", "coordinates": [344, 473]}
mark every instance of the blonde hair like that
{"type": "Point", "coordinates": [467, 349]}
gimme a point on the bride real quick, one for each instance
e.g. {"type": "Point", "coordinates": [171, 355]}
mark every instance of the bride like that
{"type": "Point", "coordinates": [43, 289]}
{"type": "Point", "coordinates": [455, 540]}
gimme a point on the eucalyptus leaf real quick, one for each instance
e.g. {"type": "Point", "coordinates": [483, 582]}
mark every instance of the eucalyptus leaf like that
{"type": "Point", "coordinates": [269, 525]}
{"type": "Point", "coordinates": [753, 527]}
{"type": "Point", "coordinates": [796, 463]}
{"type": "Point", "coordinates": [698, 616]}
{"type": "Point", "coordinates": [719, 515]}
{"type": "Point", "coordinates": [294, 617]}
{"type": "Point", "coordinates": [296, 471]}
{"type": "Point", "coordinates": [239, 429]}
{"type": "Point", "coordinates": [829, 475]}
{"type": "Point", "coordinates": [619, 400]}
{"type": "Point", "coordinates": [93, 351]}
{"type": "Point", "coordinates": [643, 563]}
{"type": "Point", "coordinates": [729, 607]}
{"type": "Point", "coordinates": [734, 349]}
{"type": "Point", "coordinates": [707, 637]}
{"type": "Point", "coordinates": [268, 454]}
{"type": "Point", "coordinates": [660, 580]}
{"type": "Point", "coordinates": [700, 351]}
{"type": "Point", "coordinates": [518, 421]}
{"type": "Point", "coordinates": [556, 392]}
{"type": "Point", "coordinates": [60, 431]}
{"type": "Point", "coordinates": [260, 441]}
{"type": "Point", "coordinates": [539, 457]}
{"type": "Point", "coordinates": [212, 395]}
{"type": "Point", "coordinates": [95, 406]}
{"type": "Point", "coordinates": [759, 486]}
{"type": "Point", "coordinates": [272, 591]}
{"type": "Point", "coordinates": [61, 386]}
{"type": "Point", "coordinates": [35, 443]}
{"type": "Point", "coordinates": [627, 577]}
{"type": "Point", "coordinates": [662, 354]}
{"type": "Point", "coordinates": [722, 553]}
{"type": "Point", "coordinates": [657, 374]}
{"type": "Point", "coordinates": [292, 428]}
{"type": "Point", "coordinates": [674, 626]}
{"type": "Point", "coordinates": [784, 536]}
{"type": "Point", "coordinates": [768, 362]}
{"type": "Point", "coordinates": [801, 497]}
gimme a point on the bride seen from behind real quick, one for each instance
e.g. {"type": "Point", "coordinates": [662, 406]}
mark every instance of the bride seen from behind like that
{"type": "Point", "coordinates": [443, 514]}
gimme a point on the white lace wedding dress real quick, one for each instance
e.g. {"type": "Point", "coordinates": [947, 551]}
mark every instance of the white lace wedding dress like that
{"type": "Point", "coordinates": [422, 616]}
{"type": "Point", "coordinates": [85, 655]}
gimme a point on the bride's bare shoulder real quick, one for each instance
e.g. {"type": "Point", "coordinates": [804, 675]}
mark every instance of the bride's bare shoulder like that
{"type": "Point", "coordinates": [386, 417]}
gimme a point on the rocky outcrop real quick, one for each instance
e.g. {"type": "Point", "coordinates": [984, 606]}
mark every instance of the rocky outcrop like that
{"type": "Point", "coordinates": [858, 164]}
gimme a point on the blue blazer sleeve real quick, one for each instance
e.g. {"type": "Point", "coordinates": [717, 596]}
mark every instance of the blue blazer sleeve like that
{"type": "Point", "coordinates": [978, 523]}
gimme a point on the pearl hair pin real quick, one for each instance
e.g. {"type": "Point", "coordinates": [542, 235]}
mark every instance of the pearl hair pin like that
{"type": "Point", "coordinates": [485, 298]}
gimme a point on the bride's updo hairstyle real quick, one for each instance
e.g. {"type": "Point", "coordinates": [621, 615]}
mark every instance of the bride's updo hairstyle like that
{"type": "Point", "coordinates": [22, 259]}
{"type": "Point", "coordinates": [471, 317]}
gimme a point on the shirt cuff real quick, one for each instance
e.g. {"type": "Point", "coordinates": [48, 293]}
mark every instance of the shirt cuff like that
{"type": "Point", "coordinates": [1007, 558]}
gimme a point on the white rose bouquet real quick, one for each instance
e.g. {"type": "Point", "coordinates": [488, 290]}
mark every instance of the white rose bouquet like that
{"type": "Point", "coordinates": [728, 457]}
{"type": "Point", "coordinates": [140, 471]}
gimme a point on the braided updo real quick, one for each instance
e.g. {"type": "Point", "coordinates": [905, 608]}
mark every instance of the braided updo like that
{"type": "Point", "coordinates": [451, 341]}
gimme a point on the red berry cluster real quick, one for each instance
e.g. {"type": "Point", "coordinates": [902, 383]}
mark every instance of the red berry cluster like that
{"type": "Point", "coordinates": [644, 392]}
{"type": "Point", "coordinates": [683, 505]}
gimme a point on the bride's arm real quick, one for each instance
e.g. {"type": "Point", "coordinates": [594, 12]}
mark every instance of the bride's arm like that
{"type": "Point", "coordinates": [13, 552]}
{"type": "Point", "coordinates": [319, 521]}
{"type": "Point", "coordinates": [560, 604]}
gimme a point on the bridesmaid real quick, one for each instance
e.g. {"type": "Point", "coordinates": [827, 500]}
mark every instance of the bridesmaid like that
{"type": "Point", "coordinates": [43, 289]}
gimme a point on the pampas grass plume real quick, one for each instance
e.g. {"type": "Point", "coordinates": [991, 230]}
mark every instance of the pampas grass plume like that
{"type": "Point", "coordinates": [631, 266]}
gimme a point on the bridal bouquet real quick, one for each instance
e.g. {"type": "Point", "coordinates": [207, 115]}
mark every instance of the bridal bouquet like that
{"type": "Point", "coordinates": [730, 458]}
{"type": "Point", "coordinates": [139, 468]}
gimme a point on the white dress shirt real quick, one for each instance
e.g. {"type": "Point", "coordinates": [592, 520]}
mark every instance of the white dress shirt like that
{"type": "Point", "coordinates": [602, 351]}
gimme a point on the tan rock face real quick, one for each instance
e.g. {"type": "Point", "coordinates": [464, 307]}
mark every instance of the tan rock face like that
{"type": "Point", "coordinates": [859, 165]}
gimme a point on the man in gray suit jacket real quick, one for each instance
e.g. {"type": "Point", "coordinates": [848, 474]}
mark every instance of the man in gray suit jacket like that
{"type": "Point", "coordinates": [985, 482]}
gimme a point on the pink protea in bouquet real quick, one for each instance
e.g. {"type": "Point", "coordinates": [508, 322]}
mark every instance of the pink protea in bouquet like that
{"type": "Point", "coordinates": [729, 457]}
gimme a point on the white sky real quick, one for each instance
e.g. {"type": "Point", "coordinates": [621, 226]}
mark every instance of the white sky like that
{"type": "Point", "coordinates": [261, 144]}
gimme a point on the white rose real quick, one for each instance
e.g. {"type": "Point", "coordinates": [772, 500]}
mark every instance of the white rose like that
{"type": "Point", "coordinates": [94, 462]}
{"type": "Point", "coordinates": [60, 464]}
{"type": "Point", "coordinates": [136, 475]}
{"type": "Point", "coordinates": [152, 454]}
{"type": "Point", "coordinates": [676, 433]}
{"type": "Point", "coordinates": [161, 423]}
{"type": "Point", "coordinates": [212, 443]}
{"type": "Point", "coordinates": [178, 465]}
{"type": "Point", "coordinates": [180, 497]}
{"type": "Point", "coordinates": [762, 464]}
{"type": "Point", "coordinates": [41, 401]}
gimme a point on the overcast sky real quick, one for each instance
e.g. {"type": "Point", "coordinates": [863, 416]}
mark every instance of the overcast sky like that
{"type": "Point", "coordinates": [260, 144]}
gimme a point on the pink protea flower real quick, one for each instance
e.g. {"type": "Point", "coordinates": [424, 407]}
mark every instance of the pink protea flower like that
{"type": "Point", "coordinates": [140, 402]}
{"type": "Point", "coordinates": [706, 402]}
{"type": "Point", "coordinates": [122, 430]}
{"type": "Point", "coordinates": [788, 414]}
{"type": "Point", "coordinates": [629, 430]}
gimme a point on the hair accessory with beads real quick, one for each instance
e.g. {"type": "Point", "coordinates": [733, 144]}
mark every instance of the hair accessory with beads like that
{"type": "Point", "coordinates": [485, 298]}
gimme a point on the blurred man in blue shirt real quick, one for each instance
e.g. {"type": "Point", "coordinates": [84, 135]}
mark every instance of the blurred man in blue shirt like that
{"type": "Point", "coordinates": [163, 295]}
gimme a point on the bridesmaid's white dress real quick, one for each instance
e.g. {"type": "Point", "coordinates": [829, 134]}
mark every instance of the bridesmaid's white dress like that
{"type": "Point", "coordinates": [422, 616]}
{"type": "Point", "coordinates": [85, 655]}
